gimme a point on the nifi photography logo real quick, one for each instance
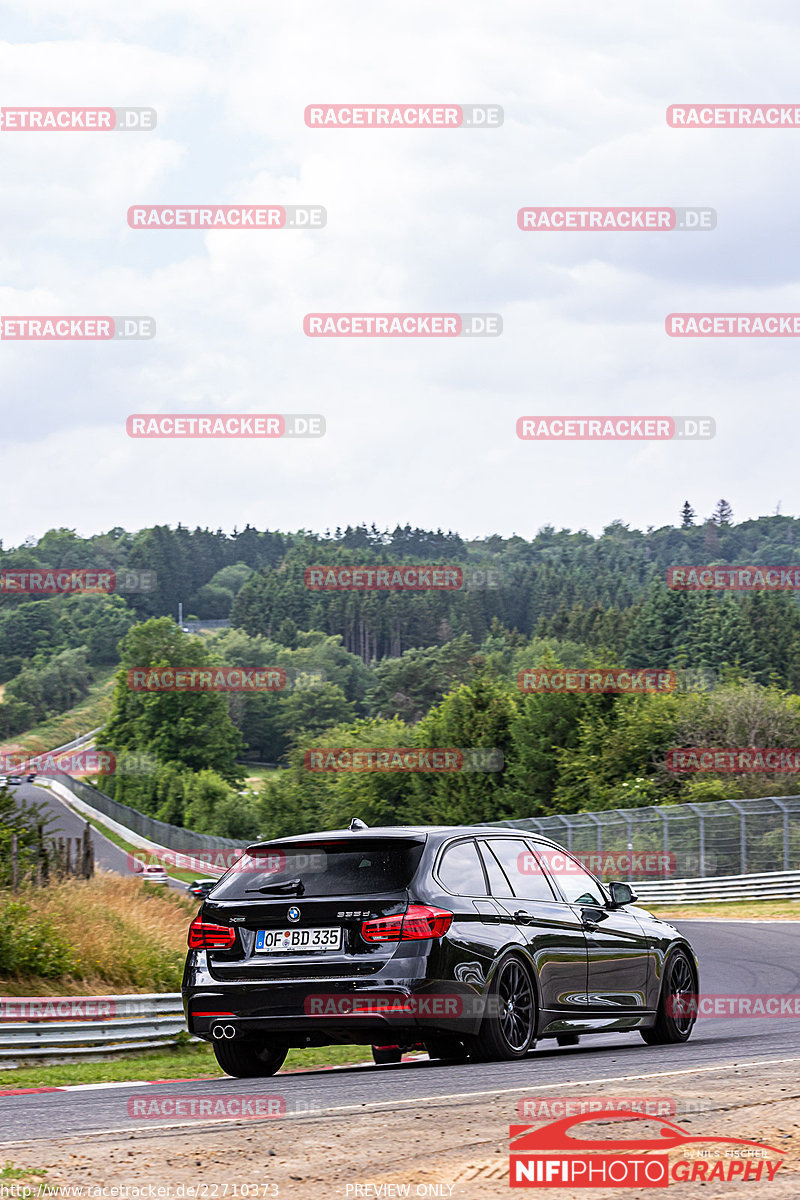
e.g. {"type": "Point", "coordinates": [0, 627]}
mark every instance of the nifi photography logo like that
{"type": "Point", "coordinates": [555, 1155]}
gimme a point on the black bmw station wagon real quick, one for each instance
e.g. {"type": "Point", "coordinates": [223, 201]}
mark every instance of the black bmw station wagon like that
{"type": "Point", "coordinates": [470, 941]}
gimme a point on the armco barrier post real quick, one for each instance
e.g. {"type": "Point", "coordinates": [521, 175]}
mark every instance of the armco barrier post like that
{"type": "Point", "coordinates": [785, 812]}
{"type": "Point", "coordinates": [702, 836]}
{"type": "Point", "coordinates": [742, 835]}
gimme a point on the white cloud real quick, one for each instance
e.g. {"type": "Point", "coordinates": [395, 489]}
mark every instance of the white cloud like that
{"type": "Point", "coordinates": [417, 430]}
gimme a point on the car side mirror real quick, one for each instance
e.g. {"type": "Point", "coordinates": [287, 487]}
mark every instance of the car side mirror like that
{"type": "Point", "coordinates": [621, 893]}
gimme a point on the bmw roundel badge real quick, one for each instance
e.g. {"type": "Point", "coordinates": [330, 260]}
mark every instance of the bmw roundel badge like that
{"type": "Point", "coordinates": [293, 914]}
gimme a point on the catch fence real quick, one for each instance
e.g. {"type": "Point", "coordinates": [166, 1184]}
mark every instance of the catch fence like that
{"type": "Point", "coordinates": [708, 840]}
{"type": "Point", "coordinates": [174, 837]}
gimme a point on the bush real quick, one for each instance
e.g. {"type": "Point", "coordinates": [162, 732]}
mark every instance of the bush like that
{"type": "Point", "coordinates": [83, 937]}
{"type": "Point", "coordinates": [31, 945]}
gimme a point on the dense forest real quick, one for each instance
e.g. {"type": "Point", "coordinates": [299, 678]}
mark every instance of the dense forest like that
{"type": "Point", "coordinates": [415, 668]}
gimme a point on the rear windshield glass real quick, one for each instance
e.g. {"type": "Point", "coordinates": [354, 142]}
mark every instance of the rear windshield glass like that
{"type": "Point", "coordinates": [369, 866]}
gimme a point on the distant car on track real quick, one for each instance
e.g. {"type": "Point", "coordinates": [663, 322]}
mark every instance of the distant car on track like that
{"type": "Point", "coordinates": [14, 780]}
{"type": "Point", "coordinates": [201, 887]}
{"type": "Point", "coordinates": [151, 872]}
{"type": "Point", "coordinates": [471, 940]}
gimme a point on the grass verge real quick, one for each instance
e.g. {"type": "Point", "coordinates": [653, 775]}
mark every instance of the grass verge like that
{"type": "Point", "coordinates": [256, 775]}
{"type": "Point", "coordinates": [766, 910]}
{"type": "Point", "coordinates": [91, 937]}
{"type": "Point", "coordinates": [184, 1062]}
{"type": "Point", "coordinates": [64, 727]}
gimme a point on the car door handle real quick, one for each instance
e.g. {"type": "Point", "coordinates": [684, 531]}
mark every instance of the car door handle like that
{"type": "Point", "coordinates": [523, 917]}
{"type": "Point", "coordinates": [591, 918]}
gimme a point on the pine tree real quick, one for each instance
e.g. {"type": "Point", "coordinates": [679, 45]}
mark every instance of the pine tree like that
{"type": "Point", "coordinates": [723, 513]}
{"type": "Point", "coordinates": [687, 515]}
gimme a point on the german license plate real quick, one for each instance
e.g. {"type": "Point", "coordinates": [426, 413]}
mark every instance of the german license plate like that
{"type": "Point", "coordinates": [282, 941]}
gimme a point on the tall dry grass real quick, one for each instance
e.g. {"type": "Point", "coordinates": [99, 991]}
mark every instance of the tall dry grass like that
{"type": "Point", "coordinates": [109, 934]}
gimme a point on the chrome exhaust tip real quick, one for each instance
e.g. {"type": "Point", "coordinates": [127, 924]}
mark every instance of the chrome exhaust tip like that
{"type": "Point", "coordinates": [229, 1031]}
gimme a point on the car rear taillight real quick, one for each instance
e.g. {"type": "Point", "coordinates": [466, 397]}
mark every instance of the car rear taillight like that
{"type": "Point", "coordinates": [205, 936]}
{"type": "Point", "coordinates": [418, 921]}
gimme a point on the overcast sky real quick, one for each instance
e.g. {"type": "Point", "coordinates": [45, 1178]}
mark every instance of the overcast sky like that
{"type": "Point", "coordinates": [418, 431]}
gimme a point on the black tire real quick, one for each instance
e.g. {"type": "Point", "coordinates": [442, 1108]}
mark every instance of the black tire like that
{"type": "Point", "coordinates": [386, 1054]}
{"type": "Point", "coordinates": [508, 1030]}
{"type": "Point", "coordinates": [249, 1060]}
{"type": "Point", "coordinates": [447, 1048]}
{"type": "Point", "coordinates": [676, 1014]}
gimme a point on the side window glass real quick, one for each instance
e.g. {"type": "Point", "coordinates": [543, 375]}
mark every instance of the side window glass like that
{"type": "Point", "coordinates": [522, 868]}
{"type": "Point", "coordinates": [461, 872]}
{"type": "Point", "coordinates": [498, 883]}
{"type": "Point", "coordinates": [573, 879]}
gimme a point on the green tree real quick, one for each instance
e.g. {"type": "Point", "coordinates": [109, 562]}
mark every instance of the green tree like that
{"type": "Point", "coordinates": [205, 794]}
{"type": "Point", "coordinates": [621, 741]}
{"type": "Point", "coordinates": [193, 729]}
{"type": "Point", "coordinates": [723, 513]}
{"type": "Point", "coordinates": [301, 799]}
{"type": "Point", "coordinates": [544, 726]}
{"type": "Point", "coordinates": [474, 717]}
{"type": "Point", "coordinates": [313, 707]}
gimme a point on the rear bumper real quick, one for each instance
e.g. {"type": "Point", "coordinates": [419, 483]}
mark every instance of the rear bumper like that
{"type": "Point", "coordinates": [383, 1008]}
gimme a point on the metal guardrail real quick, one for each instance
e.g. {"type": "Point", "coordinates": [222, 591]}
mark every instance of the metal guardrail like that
{"type": "Point", "coordinates": [773, 885]}
{"type": "Point", "coordinates": [139, 1023]}
{"type": "Point", "coordinates": [173, 837]}
{"type": "Point", "coordinates": [144, 1022]}
{"type": "Point", "coordinates": [75, 743]}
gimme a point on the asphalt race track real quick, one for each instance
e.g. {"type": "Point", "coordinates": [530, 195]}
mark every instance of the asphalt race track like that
{"type": "Point", "coordinates": [66, 823]}
{"type": "Point", "coordinates": [735, 958]}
